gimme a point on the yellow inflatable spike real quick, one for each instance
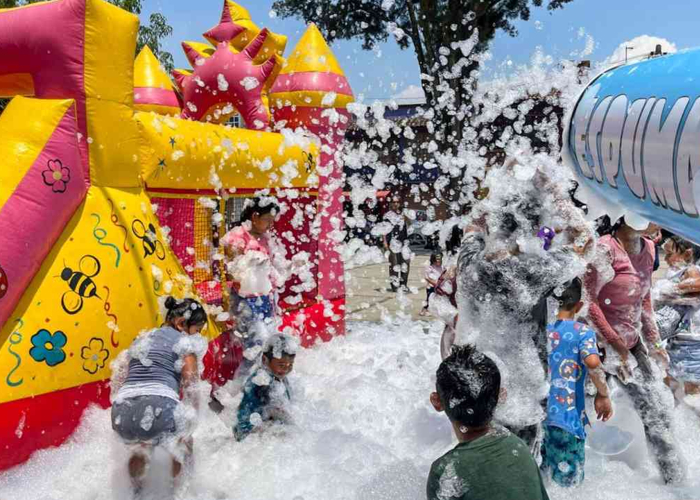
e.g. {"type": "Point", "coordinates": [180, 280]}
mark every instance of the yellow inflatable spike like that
{"type": "Point", "coordinates": [148, 71]}
{"type": "Point", "coordinates": [197, 50]}
{"type": "Point", "coordinates": [312, 77]}
{"type": "Point", "coordinates": [153, 89]}
{"type": "Point", "coordinates": [312, 54]}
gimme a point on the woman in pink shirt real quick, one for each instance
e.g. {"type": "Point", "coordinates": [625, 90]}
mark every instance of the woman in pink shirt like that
{"type": "Point", "coordinates": [621, 311]}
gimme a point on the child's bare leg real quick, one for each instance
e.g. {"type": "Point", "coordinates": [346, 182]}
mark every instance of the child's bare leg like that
{"type": "Point", "coordinates": [138, 464]}
{"type": "Point", "coordinates": [187, 444]}
{"type": "Point", "coordinates": [675, 387]}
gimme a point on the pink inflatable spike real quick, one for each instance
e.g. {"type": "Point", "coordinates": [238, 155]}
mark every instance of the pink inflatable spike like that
{"type": "Point", "coordinates": [226, 30]}
{"type": "Point", "coordinates": [253, 48]}
{"type": "Point", "coordinates": [181, 79]}
{"type": "Point", "coordinates": [226, 79]}
{"type": "Point", "coordinates": [191, 54]}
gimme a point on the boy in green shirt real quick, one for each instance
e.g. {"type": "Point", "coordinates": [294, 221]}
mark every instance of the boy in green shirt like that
{"type": "Point", "coordinates": [489, 463]}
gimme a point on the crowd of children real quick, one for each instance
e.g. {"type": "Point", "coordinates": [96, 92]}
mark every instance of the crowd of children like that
{"type": "Point", "coordinates": [152, 394]}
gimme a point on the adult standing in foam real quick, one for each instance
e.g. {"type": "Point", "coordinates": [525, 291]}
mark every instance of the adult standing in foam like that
{"type": "Point", "coordinates": [396, 243]}
{"type": "Point", "coordinates": [505, 273]}
{"type": "Point", "coordinates": [146, 408]}
{"type": "Point", "coordinates": [621, 312]}
{"type": "Point", "coordinates": [258, 266]}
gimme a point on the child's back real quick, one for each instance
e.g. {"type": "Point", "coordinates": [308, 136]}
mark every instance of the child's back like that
{"type": "Point", "coordinates": [573, 351]}
{"type": "Point", "coordinates": [497, 466]}
{"type": "Point", "coordinates": [489, 463]}
{"type": "Point", "coordinates": [570, 343]}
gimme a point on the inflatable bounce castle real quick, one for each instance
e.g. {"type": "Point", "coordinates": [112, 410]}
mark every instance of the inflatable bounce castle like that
{"type": "Point", "coordinates": [116, 184]}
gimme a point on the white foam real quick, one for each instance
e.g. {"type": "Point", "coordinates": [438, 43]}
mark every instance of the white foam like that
{"type": "Point", "coordinates": [363, 429]}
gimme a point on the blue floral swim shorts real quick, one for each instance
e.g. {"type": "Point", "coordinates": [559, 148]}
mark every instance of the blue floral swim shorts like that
{"type": "Point", "coordinates": [563, 456]}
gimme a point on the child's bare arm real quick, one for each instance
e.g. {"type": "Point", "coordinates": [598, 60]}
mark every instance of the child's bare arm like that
{"type": "Point", "coordinates": [691, 282]}
{"type": "Point", "coordinates": [603, 405]}
{"type": "Point", "coordinates": [190, 377]}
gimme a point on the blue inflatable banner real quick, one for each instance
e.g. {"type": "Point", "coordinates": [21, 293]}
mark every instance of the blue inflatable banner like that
{"type": "Point", "coordinates": [634, 139]}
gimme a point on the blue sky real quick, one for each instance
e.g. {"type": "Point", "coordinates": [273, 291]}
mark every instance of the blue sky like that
{"type": "Point", "coordinates": [389, 70]}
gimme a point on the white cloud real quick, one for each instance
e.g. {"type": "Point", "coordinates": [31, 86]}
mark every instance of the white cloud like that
{"type": "Point", "coordinates": [641, 46]}
{"type": "Point", "coordinates": [413, 94]}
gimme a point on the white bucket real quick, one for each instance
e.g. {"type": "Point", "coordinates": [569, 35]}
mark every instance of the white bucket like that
{"type": "Point", "coordinates": [622, 437]}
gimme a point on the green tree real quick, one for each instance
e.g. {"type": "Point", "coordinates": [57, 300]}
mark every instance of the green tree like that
{"type": "Point", "coordinates": [441, 33]}
{"type": "Point", "coordinates": [151, 34]}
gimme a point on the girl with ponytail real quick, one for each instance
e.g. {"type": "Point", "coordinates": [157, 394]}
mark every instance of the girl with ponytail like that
{"type": "Point", "coordinates": [147, 407]}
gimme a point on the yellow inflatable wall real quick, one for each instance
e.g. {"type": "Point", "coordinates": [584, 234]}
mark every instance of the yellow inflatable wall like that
{"type": "Point", "coordinates": [84, 264]}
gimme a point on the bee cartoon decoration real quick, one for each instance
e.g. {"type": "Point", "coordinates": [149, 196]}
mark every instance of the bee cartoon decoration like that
{"type": "Point", "coordinates": [80, 283]}
{"type": "Point", "coordinates": [151, 244]}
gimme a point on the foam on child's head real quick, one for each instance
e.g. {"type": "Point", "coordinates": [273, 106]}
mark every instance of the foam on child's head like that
{"type": "Point", "coordinates": [281, 344]}
{"type": "Point", "coordinates": [468, 383]}
{"type": "Point", "coordinates": [569, 294]}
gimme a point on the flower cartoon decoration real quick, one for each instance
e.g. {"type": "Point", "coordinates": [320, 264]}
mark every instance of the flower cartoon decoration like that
{"type": "Point", "coordinates": [56, 175]}
{"type": "Point", "coordinates": [94, 355]}
{"type": "Point", "coordinates": [4, 282]}
{"type": "Point", "coordinates": [48, 347]}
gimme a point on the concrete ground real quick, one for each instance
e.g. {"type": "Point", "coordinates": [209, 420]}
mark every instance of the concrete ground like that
{"type": "Point", "coordinates": [368, 300]}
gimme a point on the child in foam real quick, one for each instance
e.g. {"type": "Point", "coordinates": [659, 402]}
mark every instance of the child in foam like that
{"type": "Point", "coordinates": [433, 271]}
{"type": "Point", "coordinates": [258, 266]}
{"type": "Point", "coordinates": [618, 284]}
{"type": "Point", "coordinates": [488, 463]}
{"type": "Point", "coordinates": [677, 301]}
{"type": "Point", "coordinates": [266, 392]}
{"type": "Point", "coordinates": [146, 406]}
{"type": "Point", "coordinates": [573, 353]}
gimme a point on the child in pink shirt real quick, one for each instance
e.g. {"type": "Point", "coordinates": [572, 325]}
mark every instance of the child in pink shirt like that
{"type": "Point", "coordinates": [432, 274]}
{"type": "Point", "coordinates": [258, 267]}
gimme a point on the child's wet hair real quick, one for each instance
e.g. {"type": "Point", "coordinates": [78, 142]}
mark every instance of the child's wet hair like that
{"type": "Point", "coordinates": [571, 295]}
{"type": "Point", "coordinates": [681, 245]}
{"type": "Point", "coordinates": [279, 345]}
{"type": "Point", "coordinates": [468, 384]}
{"type": "Point", "coordinates": [518, 210]}
{"type": "Point", "coordinates": [434, 257]}
{"type": "Point", "coordinates": [190, 309]}
{"type": "Point", "coordinates": [260, 206]}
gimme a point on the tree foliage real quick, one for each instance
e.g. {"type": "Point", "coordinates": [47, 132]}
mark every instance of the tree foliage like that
{"type": "Point", "coordinates": [440, 32]}
{"type": "Point", "coordinates": [449, 38]}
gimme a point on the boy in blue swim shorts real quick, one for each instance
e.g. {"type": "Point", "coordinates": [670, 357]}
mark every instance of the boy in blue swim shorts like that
{"type": "Point", "coordinates": [573, 353]}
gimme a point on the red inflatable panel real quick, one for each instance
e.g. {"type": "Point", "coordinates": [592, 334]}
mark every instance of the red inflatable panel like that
{"type": "Point", "coordinates": [27, 425]}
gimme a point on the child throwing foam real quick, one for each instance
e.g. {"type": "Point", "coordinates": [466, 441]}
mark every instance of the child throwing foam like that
{"type": "Point", "coordinates": [258, 266]}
